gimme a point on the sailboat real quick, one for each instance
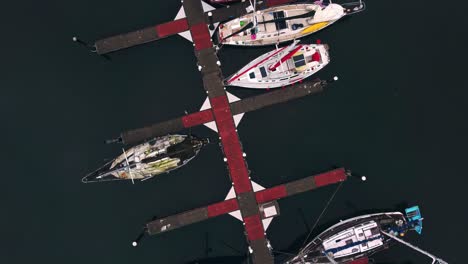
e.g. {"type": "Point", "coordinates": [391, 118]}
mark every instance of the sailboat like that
{"type": "Point", "coordinates": [283, 23]}
{"type": "Point", "coordinates": [281, 67]}
{"type": "Point", "coordinates": [144, 161]}
{"type": "Point", "coordinates": [360, 237]}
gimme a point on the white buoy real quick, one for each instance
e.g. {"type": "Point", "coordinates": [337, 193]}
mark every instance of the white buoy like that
{"type": "Point", "coordinates": [210, 14]}
{"type": "Point", "coordinates": [335, 78]}
{"type": "Point", "coordinates": [75, 39]}
{"type": "Point", "coordinates": [218, 63]}
{"type": "Point", "coordinates": [199, 67]}
{"type": "Point", "coordinates": [134, 243]}
{"type": "Point", "coordinates": [244, 155]}
{"type": "Point", "coordinates": [225, 159]}
{"type": "Point", "coordinates": [363, 178]}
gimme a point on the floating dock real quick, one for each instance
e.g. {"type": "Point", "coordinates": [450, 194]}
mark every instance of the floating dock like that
{"type": "Point", "coordinates": [157, 32]}
{"type": "Point", "coordinates": [242, 106]}
{"type": "Point", "coordinates": [221, 112]}
{"type": "Point", "coordinates": [264, 196]}
{"type": "Point", "coordinates": [213, 83]}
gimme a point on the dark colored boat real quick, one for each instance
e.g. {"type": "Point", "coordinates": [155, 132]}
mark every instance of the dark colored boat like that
{"type": "Point", "coordinates": [144, 161]}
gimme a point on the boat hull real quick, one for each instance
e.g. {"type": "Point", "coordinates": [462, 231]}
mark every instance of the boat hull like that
{"type": "Point", "coordinates": [146, 160]}
{"type": "Point", "coordinates": [273, 70]}
{"type": "Point", "coordinates": [350, 240]}
{"type": "Point", "coordinates": [278, 31]}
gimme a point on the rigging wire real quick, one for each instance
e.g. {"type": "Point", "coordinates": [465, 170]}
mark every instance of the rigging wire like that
{"type": "Point", "coordinates": [322, 213]}
{"type": "Point", "coordinates": [283, 253]}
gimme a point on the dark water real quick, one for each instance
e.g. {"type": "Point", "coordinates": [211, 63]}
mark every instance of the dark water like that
{"type": "Point", "coordinates": [397, 115]}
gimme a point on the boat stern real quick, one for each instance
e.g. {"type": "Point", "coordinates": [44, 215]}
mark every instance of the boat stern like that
{"type": "Point", "coordinates": [199, 143]}
{"type": "Point", "coordinates": [353, 7]}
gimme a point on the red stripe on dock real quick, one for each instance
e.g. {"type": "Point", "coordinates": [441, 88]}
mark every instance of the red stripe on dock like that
{"type": "Point", "coordinates": [223, 207]}
{"type": "Point", "coordinates": [277, 2]}
{"type": "Point", "coordinates": [171, 28]}
{"type": "Point", "coordinates": [359, 261]}
{"type": "Point", "coordinates": [330, 177]}
{"type": "Point", "coordinates": [197, 118]}
{"type": "Point", "coordinates": [201, 36]}
{"type": "Point", "coordinates": [254, 227]}
{"type": "Point", "coordinates": [271, 194]}
{"type": "Point", "coordinates": [231, 144]}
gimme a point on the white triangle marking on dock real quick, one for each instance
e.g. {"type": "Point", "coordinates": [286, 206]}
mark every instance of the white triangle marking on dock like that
{"type": "Point", "coordinates": [231, 98]}
{"type": "Point", "coordinates": [236, 214]}
{"type": "Point", "coordinates": [181, 14]}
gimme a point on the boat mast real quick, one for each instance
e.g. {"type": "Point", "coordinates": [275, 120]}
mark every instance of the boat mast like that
{"type": "Point", "coordinates": [128, 165]}
{"type": "Point", "coordinates": [329, 257]}
{"type": "Point", "coordinates": [435, 260]}
{"type": "Point", "coordinates": [255, 23]}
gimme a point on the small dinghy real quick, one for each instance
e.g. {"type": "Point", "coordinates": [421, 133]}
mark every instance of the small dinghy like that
{"type": "Point", "coordinates": [283, 23]}
{"type": "Point", "coordinates": [281, 67]}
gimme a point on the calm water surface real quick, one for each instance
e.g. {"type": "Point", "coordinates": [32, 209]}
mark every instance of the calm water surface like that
{"type": "Point", "coordinates": [397, 115]}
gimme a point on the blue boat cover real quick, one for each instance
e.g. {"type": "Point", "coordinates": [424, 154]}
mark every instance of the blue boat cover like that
{"type": "Point", "coordinates": [414, 217]}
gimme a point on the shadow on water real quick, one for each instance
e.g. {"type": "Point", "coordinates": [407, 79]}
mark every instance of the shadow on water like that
{"type": "Point", "coordinates": [283, 255]}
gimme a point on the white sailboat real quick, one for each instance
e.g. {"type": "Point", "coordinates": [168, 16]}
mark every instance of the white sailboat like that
{"type": "Point", "coordinates": [282, 66]}
{"type": "Point", "coordinates": [283, 23]}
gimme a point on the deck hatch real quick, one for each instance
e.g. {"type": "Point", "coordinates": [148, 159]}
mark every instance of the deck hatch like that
{"type": "Point", "coordinates": [299, 60]}
{"type": "Point", "coordinates": [280, 23]}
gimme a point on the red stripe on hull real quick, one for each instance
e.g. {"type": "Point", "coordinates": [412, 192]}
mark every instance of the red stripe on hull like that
{"type": "Point", "coordinates": [171, 28]}
{"type": "Point", "coordinates": [285, 58]}
{"type": "Point", "coordinates": [253, 66]}
{"type": "Point", "coordinates": [223, 207]}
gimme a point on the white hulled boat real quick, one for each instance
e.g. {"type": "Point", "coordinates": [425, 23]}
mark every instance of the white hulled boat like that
{"type": "Point", "coordinates": [281, 67]}
{"type": "Point", "coordinates": [283, 23]}
{"type": "Point", "coordinates": [360, 237]}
